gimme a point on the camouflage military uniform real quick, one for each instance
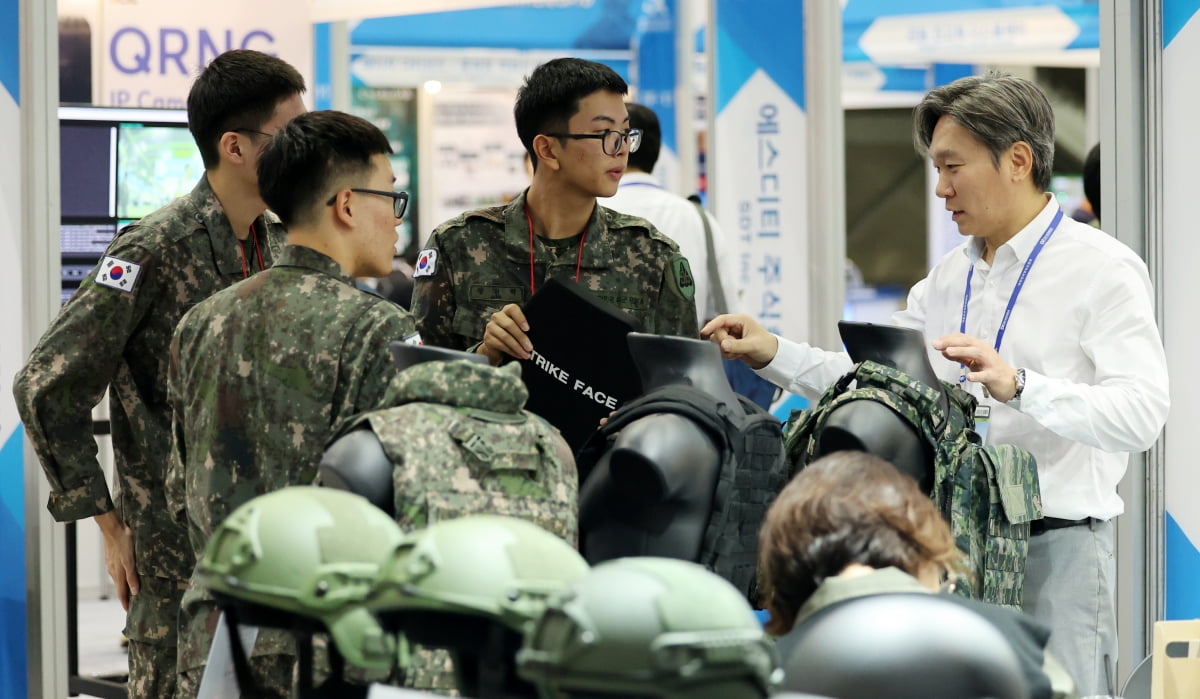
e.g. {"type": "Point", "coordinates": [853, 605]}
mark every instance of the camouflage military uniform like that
{"type": "Point", "coordinates": [105, 336]}
{"type": "Point", "coordinates": [261, 377]}
{"type": "Point", "coordinates": [482, 264]}
{"type": "Point", "coordinates": [461, 444]}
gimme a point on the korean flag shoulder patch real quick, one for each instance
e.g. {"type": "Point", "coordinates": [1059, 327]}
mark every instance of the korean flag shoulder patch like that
{"type": "Point", "coordinates": [118, 274]}
{"type": "Point", "coordinates": [426, 263]}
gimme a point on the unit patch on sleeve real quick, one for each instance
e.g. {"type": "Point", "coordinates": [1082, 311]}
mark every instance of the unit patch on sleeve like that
{"type": "Point", "coordinates": [426, 263]}
{"type": "Point", "coordinates": [117, 273]}
{"type": "Point", "coordinates": [681, 279]}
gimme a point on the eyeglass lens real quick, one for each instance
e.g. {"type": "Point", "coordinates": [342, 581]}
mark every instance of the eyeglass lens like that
{"type": "Point", "coordinates": [614, 139]}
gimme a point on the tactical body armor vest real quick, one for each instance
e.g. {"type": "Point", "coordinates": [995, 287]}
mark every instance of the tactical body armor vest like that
{"type": "Point", "coordinates": [450, 462]}
{"type": "Point", "coordinates": [461, 444]}
{"type": "Point", "coordinates": [752, 472]}
{"type": "Point", "coordinates": [452, 457]}
{"type": "Point", "coordinates": [988, 494]}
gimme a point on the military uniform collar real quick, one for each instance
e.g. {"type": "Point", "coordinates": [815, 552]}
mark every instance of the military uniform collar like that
{"type": "Point", "coordinates": [599, 249]}
{"type": "Point", "coordinates": [834, 590]}
{"type": "Point", "coordinates": [209, 213]}
{"type": "Point", "coordinates": [460, 384]}
{"type": "Point", "coordinates": [307, 258]}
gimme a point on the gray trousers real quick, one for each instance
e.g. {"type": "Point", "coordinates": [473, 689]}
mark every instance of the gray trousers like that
{"type": "Point", "coordinates": [1070, 580]}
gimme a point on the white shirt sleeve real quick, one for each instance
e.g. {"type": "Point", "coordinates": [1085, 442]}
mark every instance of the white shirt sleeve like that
{"type": "Point", "coordinates": [804, 369]}
{"type": "Point", "coordinates": [1126, 406]}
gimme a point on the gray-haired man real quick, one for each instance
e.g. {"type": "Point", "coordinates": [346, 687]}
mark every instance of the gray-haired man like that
{"type": "Point", "coordinates": [1078, 377]}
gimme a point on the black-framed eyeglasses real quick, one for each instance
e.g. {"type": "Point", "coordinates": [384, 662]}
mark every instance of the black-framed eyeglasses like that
{"type": "Point", "coordinates": [399, 199]}
{"type": "Point", "coordinates": [255, 131]}
{"type": "Point", "coordinates": [611, 141]}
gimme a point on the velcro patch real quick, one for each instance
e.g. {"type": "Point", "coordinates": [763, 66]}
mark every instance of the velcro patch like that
{"type": "Point", "coordinates": [682, 281]}
{"type": "Point", "coordinates": [426, 263]}
{"type": "Point", "coordinates": [118, 274]}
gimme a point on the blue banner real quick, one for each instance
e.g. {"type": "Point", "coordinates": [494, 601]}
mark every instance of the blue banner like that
{"type": "Point", "coordinates": [1176, 14]}
{"type": "Point", "coordinates": [760, 164]}
{"type": "Point", "coordinates": [599, 25]}
{"type": "Point", "coordinates": [766, 36]}
{"type": "Point", "coordinates": [12, 575]}
{"type": "Point", "coordinates": [860, 15]}
{"type": "Point", "coordinates": [10, 49]}
{"type": "Point", "coordinates": [655, 66]}
{"type": "Point", "coordinates": [13, 635]}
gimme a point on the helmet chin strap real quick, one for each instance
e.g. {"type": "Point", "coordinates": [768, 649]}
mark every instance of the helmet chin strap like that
{"type": "Point", "coordinates": [241, 663]}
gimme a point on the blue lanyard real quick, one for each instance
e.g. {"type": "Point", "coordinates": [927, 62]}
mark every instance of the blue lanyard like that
{"type": "Point", "coordinates": [1012, 300]}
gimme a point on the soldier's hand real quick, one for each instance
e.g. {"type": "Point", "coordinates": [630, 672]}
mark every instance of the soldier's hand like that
{"type": "Point", "coordinates": [741, 337]}
{"type": "Point", "coordinates": [505, 334]}
{"type": "Point", "coordinates": [118, 556]}
{"type": "Point", "coordinates": [983, 364]}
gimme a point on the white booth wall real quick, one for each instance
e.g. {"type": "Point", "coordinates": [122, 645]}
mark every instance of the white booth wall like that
{"type": "Point", "coordinates": [1145, 184]}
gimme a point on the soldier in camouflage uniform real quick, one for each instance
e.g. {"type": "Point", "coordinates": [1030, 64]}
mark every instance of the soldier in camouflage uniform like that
{"type": "Point", "coordinates": [480, 266]}
{"type": "Point", "coordinates": [115, 330]}
{"type": "Point", "coordinates": [263, 373]}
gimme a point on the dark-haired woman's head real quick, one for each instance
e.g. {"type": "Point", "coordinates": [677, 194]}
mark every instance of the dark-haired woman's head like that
{"type": "Point", "coordinates": [847, 508]}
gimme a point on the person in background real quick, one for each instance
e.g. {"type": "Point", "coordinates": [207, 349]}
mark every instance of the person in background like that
{"type": "Point", "coordinates": [850, 525]}
{"type": "Point", "coordinates": [114, 332]}
{"type": "Point", "coordinates": [264, 373]}
{"type": "Point", "coordinates": [479, 268]}
{"type": "Point", "coordinates": [1065, 354]}
{"type": "Point", "coordinates": [1091, 181]}
{"type": "Point", "coordinates": [699, 236]}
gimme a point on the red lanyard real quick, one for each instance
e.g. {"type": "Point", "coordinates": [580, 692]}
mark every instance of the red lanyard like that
{"type": "Point", "coordinates": [257, 253]}
{"type": "Point", "coordinates": [578, 256]}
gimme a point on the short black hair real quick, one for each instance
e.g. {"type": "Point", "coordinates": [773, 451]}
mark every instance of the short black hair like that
{"type": "Point", "coordinates": [644, 118]}
{"type": "Point", "coordinates": [239, 89]}
{"type": "Point", "coordinates": [312, 156]}
{"type": "Point", "coordinates": [1091, 179]}
{"type": "Point", "coordinates": [551, 94]}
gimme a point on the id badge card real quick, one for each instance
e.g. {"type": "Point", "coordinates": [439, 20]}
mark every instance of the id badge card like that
{"type": "Point", "coordinates": [983, 414]}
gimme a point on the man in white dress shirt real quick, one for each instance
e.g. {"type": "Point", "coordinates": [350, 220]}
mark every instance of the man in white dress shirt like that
{"type": "Point", "coordinates": [641, 194]}
{"type": "Point", "coordinates": [1048, 321]}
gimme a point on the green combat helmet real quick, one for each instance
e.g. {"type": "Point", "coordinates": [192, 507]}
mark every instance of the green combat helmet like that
{"type": "Point", "coordinates": [649, 627]}
{"type": "Point", "coordinates": [304, 558]}
{"type": "Point", "coordinates": [472, 586]}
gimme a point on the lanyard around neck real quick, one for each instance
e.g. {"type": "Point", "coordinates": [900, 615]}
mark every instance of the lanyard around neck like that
{"type": "Point", "coordinates": [1012, 299]}
{"type": "Point", "coordinates": [257, 253]}
{"type": "Point", "coordinates": [578, 256]}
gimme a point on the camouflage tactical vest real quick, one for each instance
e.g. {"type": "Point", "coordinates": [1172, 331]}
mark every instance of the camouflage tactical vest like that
{"type": "Point", "coordinates": [753, 471]}
{"type": "Point", "coordinates": [989, 495]}
{"type": "Point", "coordinates": [450, 462]}
{"type": "Point", "coordinates": [452, 457]}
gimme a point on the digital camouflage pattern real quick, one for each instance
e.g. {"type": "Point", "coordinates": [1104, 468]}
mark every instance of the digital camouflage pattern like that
{"type": "Point", "coordinates": [108, 337]}
{"type": "Point", "coordinates": [483, 265]}
{"type": "Point", "coordinates": [989, 495]}
{"type": "Point", "coordinates": [461, 444]}
{"type": "Point", "coordinates": [274, 677]}
{"type": "Point", "coordinates": [261, 376]}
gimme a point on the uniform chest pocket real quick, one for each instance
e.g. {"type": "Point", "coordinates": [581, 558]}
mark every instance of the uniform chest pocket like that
{"type": "Point", "coordinates": [470, 322]}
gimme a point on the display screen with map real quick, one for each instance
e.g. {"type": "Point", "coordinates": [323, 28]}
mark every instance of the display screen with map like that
{"type": "Point", "coordinates": [155, 164]}
{"type": "Point", "coordinates": [116, 165]}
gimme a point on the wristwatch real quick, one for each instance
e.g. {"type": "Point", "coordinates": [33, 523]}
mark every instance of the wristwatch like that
{"type": "Point", "coordinates": [1019, 381]}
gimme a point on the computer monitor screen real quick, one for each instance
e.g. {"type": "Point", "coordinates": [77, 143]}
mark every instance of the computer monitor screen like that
{"type": "Point", "coordinates": [155, 164]}
{"type": "Point", "coordinates": [116, 166]}
{"type": "Point", "coordinates": [1068, 189]}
